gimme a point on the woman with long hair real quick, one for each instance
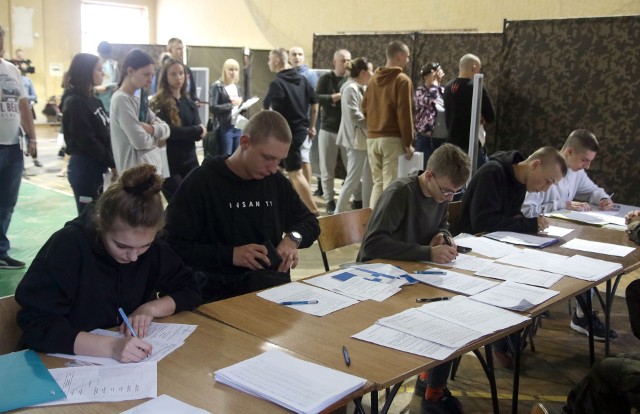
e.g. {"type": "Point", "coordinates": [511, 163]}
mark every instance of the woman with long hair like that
{"type": "Point", "coordinates": [85, 127]}
{"type": "Point", "coordinates": [430, 124]}
{"type": "Point", "coordinates": [136, 132]}
{"type": "Point", "coordinates": [172, 104]}
{"type": "Point", "coordinates": [225, 95]}
{"type": "Point", "coordinates": [107, 258]}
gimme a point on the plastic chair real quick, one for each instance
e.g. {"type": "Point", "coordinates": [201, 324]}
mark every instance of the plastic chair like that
{"type": "Point", "coordinates": [340, 230]}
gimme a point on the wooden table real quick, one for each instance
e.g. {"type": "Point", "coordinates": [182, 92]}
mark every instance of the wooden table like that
{"type": "Point", "coordinates": [187, 373]}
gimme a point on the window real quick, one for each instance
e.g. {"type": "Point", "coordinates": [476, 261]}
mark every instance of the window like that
{"type": "Point", "coordinates": [115, 23]}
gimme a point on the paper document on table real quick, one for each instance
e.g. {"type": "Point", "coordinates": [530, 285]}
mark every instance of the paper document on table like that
{"type": "Point", "coordinates": [556, 231]}
{"type": "Point", "coordinates": [522, 239]}
{"type": "Point", "coordinates": [515, 296]}
{"type": "Point", "coordinates": [520, 275]}
{"type": "Point", "coordinates": [531, 259]}
{"type": "Point", "coordinates": [382, 272]}
{"type": "Point", "coordinates": [485, 246]}
{"type": "Point", "coordinates": [297, 385]}
{"type": "Point", "coordinates": [164, 337]}
{"type": "Point", "coordinates": [355, 284]}
{"type": "Point", "coordinates": [391, 338]}
{"type": "Point", "coordinates": [109, 383]}
{"type": "Point", "coordinates": [465, 312]}
{"type": "Point", "coordinates": [598, 247]}
{"type": "Point", "coordinates": [472, 263]}
{"type": "Point", "coordinates": [328, 302]}
{"type": "Point", "coordinates": [578, 216]}
{"type": "Point", "coordinates": [608, 216]}
{"type": "Point", "coordinates": [165, 404]}
{"type": "Point", "coordinates": [456, 282]}
{"type": "Point", "coordinates": [583, 267]}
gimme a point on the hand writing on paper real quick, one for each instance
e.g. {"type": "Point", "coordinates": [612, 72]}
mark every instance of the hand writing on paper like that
{"type": "Point", "coordinates": [578, 206]}
{"type": "Point", "coordinates": [131, 349]}
{"type": "Point", "coordinates": [543, 223]}
{"type": "Point", "coordinates": [140, 322]}
{"type": "Point", "coordinates": [443, 253]}
{"type": "Point", "coordinates": [605, 204]}
{"type": "Point", "coordinates": [248, 256]}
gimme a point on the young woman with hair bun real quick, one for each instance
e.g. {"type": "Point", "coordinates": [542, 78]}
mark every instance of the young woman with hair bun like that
{"type": "Point", "coordinates": [105, 259]}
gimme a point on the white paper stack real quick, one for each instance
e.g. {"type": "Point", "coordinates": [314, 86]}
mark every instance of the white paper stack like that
{"type": "Point", "coordinates": [297, 385]}
{"type": "Point", "coordinates": [485, 246]}
{"type": "Point", "coordinates": [515, 296]}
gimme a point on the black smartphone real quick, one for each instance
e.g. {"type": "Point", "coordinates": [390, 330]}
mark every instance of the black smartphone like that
{"type": "Point", "coordinates": [273, 255]}
{"type": "Point", "coordinates": [462, 249]}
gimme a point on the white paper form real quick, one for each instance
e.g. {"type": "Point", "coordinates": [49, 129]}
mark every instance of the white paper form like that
{"type": "Point", "coordinates": [109, 383]}
{"type": "Point", "coordinates": [582, 267]}
{"type": "Point", "coordinates": [391, 338]}
{"type": "Point", "coordinates": [472, 314]}
{"type": "Point", "coordinates": [581, 217]}
{"type": "Point", "coordinates": [432, 328]}
{"type": "Point", "coordinates": [520, 275]}
{"type": "Point", "coordinates": [485, 246]}
{"type": "Point", "coordinates": [382, 272]}
{"type": "Point", "coordinates": [472, 263]}
{"type": "Point", "coordinates": [456, 282]}
{"type": "Point", "coordinates": [297, 385]}
{"type": "Point", "coordinates": [165, 404]}
{"type": "Point", "coordinates": [352, 283]}
{"type": "Point", "coordinates": [556, 231]}
{"type": "Point", "coordinates": [328, 302]}
{"type": "Point", "coordinates": [515, 296]}
{"type": "Point", "coordinates": [598, 247]}
{"type": "Point", "coordinates": [532, 259]}
{"type": "Point", "coordinates": [521, 239]}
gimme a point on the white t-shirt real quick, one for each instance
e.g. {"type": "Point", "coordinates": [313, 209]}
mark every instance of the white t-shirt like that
{"type": "Point", "coordinates": [11, 91]}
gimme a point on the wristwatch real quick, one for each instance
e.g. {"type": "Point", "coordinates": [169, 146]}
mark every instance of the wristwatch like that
{"type": "Point", "coordinates": [296, 237]}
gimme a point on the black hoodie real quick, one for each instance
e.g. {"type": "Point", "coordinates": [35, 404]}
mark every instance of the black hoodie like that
{"type": "Point", "coordinates": [493, 199]}
{"type": "Point", "coordinates": [74, 285]}
{"type": "Point", "coordinates": [290, 94]}
{"type": "Point", "coordinates": [214, 211]}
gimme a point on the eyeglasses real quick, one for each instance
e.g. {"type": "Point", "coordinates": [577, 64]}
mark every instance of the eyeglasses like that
{"type": "Point", "coordinates": [446, 193]}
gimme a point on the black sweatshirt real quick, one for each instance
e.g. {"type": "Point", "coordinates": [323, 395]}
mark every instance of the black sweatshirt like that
{"type": "Point", "coordinates": [74, 285]}
{"type": "Point", "coordinates": [214, 211]}
{"type": "Point", "coordinates": [493, 199]}
{"type": "Point", "coordinates": [290, 95]}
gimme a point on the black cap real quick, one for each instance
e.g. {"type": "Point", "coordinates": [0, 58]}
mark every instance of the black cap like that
{"type": "Point", "coordinates": [429, 68]}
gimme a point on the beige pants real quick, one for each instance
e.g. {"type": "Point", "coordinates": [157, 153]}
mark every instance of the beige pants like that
{"type": "Point", "coordinates": [383, 156]}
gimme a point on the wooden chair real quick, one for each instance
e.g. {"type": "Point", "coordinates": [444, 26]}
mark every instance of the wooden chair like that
{"type": "Point", "coordinates": [10, 333]}
{"type": "Point", "coordinates": [538, 408]}
{"type": "Point", "coordinates": [455, 208]}
{"type": "Point", "coordinates": [340, 230]}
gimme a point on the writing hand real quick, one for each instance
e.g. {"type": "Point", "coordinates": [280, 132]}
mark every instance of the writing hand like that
{"type": "Point", "coordinates": [543, 223]}
{"type": "Point", "coordinates": [131, 349]}
{"type": "Point", "coordinates": [443, 253]}
{"type": "Point", "coordinates": [605, 204]}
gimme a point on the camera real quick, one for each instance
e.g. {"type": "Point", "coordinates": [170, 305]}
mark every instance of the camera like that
{"type": "Point", "coordinates": [24, 66]}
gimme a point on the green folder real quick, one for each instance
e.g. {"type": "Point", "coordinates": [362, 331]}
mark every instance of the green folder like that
{"type": "Point", "coordinates": [26, 381]}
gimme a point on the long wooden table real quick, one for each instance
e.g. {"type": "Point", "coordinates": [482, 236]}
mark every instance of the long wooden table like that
{"type": "Point", "coordinates": [187, 373]}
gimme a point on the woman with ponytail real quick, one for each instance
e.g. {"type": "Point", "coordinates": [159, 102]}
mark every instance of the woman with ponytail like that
{"type": "Point", "coordinates": [105, 259]}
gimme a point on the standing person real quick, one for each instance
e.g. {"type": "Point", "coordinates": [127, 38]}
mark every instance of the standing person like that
{"type": "Point", "coordinates": [328, 91]}
{"type": "Point", "coordinates": [136, 135]}
{"type": "Point", "coordinates": [577, 192]}
{"type": "Point", "coordinates": [291, 95]}
{"type": "Point", "coordinates": [15, 112]}
{"type": "Point", "coordinates": [172, 105]}
{"type": "Point", "coordinates": [236, 220]}
{"type": "Point", "coordinates": [85, 127]}
{"type": "Point", "coordinates": [105, 259]}
{"type": "Point", "coordinates": [431, 126]}
{"type": "Point", "coordinates": [225, 96]}
{"type": "Point", "coordinates": [352, 135]}
{"type": "Point", "coordinates": [458, 99]}
{"type": "Point", "coordinates": [176, 49]}
{"type": "Point", "coordinates": [24, 65]}
{"type": "Point", "coordinates": [387, 107]}
{"type": "Point", "coordinates": [111, 73]}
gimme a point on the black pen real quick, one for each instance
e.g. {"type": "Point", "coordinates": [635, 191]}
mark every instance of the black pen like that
{"type": "Point", "coordinates": [447, 240]}
{"type": "Point", "coordinates": [345, 353]}
{"type": "Point", "coordinates": [421, 300]}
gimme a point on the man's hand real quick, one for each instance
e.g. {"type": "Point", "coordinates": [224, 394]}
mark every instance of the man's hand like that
{"type": "Point", "coordinates": [437, 240]}
{"type": "Point", "coordinates": [578, 206]}
{"type": "Point", "coordinates": [312, 133]}
{"type": "Point", "coordinates": [605, 204]}
{"type": "Point", "coordinates": [443, 253]}
{"type": "Point", "coordinates": [543, 223]}
{"type": "Point", "coordinates": [131, 350]}
{"type": "Point", "coordinates": [408, 152]}
{"type": "Point", "coordinates": [335, 97]}
{"type": "Point", "coordinates": [248, 256]}
{"type": "Point", "coordinates": [632, 216]}
{"type": "Point", "coordinates": [288, 250]}
{"type": "Point", "coordinates": [32, 148]}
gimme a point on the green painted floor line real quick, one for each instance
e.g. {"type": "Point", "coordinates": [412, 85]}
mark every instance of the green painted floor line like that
{"type": "Point", "coordinates": [39, 213]}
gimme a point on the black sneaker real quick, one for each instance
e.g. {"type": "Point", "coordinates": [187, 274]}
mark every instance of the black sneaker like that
{"type": "Point", "coordinates": [356, 204]}
{"type": "Point", "coordinates": [331, 207]}
{"type": "Point", "coordinates": [448, 404]}
{"type": "Point", "coordinates": [582, 325]}
{"type": "Point", "coordinates": [9, 263]}
{"type": "Point", "coordinates": [318, 192]}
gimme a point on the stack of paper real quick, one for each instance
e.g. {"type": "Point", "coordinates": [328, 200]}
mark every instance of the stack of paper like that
{"type": "Point", "coordinates": [520, 275]}
{"type": "Point", "coordinates": [515, 296]}
{"type": "Point", "coordinates": [297, 385]}
{"type": "Point", "coordinates": [522, 239]}
{"type": "Point", "coordinates": [485, 246]}
{"type": "Point", "coordinates": [582, 267]}
{"type": "Point", "coordinates": [358, 284]}
{"type": "Point", "coordinates": [328, 302]}
{"type": "Point", "coordinates": [456, 282]}
{"type": "Point", "coordinates": [598, 247]}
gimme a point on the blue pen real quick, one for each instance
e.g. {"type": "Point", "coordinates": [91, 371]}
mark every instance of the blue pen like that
{"type": "Point", "coordinates": [430, 272]}
{"type": "Point", "coordinates": [126, 322]}
{"type": "Point", "coordinates": [345, 353]}
{"type": "Point", "coordinates": [299, 302]}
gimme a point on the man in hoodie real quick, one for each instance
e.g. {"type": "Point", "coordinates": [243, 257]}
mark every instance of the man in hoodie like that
{"type": "Point", "coordinates": [291, 95]}
{"type": "Point", "coordinates": [387, 107]}
{"type": "Point", "coordinates": [236, 220]}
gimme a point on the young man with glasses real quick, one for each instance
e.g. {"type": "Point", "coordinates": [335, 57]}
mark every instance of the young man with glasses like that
{"type": "Point", "coordinates": [410, 222]}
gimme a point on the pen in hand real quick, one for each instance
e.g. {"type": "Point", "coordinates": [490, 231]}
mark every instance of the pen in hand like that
{"type": "Point", "coordinates": [422, 300]}
{"type": "Point", "coordinates": [127, 323]}
{"type": "Point", "coordinates": [345, 354]}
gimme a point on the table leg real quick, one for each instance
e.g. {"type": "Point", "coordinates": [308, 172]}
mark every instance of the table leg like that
{"type": "Point", "coordinates": [358, 403]}
{"type": "Point", "coordinates": [516, 340]}
{"type": "Point", "coordinates": [587, 309]}
{"type": "Point", "coordinates": [611, 294]}
{"type": "Point", "coordinates": [390, 396]}
{"type": "Point", "coordinates": [374, 402]}
{"type": "Point", "coordinates": [487, 367]}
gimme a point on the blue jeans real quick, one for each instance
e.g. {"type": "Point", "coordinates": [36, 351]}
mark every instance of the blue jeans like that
{"type": "Point", "coordinates": [85, 177]}
{"type": "Point", "coordinates": [11, 167]}
{"type": "Point", "coordinates": [230, 140]}
{"type": "Point", "coordinates": [427, 145]}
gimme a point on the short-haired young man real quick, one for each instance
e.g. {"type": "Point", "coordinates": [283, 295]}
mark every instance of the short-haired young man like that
{"type": "Point", "coordinates": [231, 211]}
{"type": "Point", "coordinates": [410, 222]}
{"type": "Point", "coordinates": [576, 191]}
{"type": "Point", "coordinates": [175, 47]}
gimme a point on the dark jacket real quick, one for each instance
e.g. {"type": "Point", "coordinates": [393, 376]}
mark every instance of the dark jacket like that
{"type": "Point", "coordinates": [74, 285]}
{"type": "Point", "coordinates": [214, 211]}
{"type": "Point", "coordinates": [493, 199]}
{"type": "Point", "coordinates": [85, 126]}
{"type": "Point", "coordinates": [220, 104]}
{"type": "Point", "coordinates": [331, 112]}
{"type": "Point", "coordinates": [290, 94]}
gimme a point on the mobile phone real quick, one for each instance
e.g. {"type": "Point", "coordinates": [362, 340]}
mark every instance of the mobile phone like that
{"type": "Point", "coordinates": [462, 249]}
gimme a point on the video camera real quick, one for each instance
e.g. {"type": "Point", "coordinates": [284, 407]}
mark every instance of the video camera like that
{"type": "Point", "coordinates": [23, 65]}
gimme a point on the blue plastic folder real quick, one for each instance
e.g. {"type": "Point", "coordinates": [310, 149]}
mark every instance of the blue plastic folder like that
{"type": "Point", "coordinates": [26, 381]}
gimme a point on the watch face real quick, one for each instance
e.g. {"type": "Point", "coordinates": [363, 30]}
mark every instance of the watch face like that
{"type": "Point", "coordinates": [295, 236]}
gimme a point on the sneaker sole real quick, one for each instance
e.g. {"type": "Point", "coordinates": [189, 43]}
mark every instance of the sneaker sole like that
{"type": "Point", "coordinates": [12, 267]}
{"type": "Point", "coordinates": [581, 330]}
